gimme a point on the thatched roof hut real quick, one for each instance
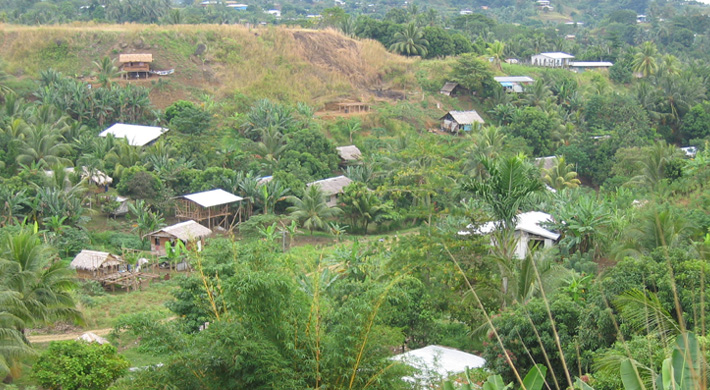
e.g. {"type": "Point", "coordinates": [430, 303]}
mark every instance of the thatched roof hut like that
{"type": "Point", "coordinates": [332, 187]}
{"type": "Point", "coordinates": [349, 153]}
{"type": "Point", "coordinates": [92, 260]}
{"type": "Point", "coordinates": [184, 231]}
{"type": "Point", "coordinates": [189, 232]}
{"type": "Point", "coordinates": [90, 263]}
{"type": "Point", "coordinates": [136, 57]}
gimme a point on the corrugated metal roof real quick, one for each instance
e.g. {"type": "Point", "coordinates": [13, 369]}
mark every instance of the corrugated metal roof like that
{"type": "Point", "coordinates": [185, 231]}
{"type": "Point", "coordinates": [136, 135]}
{"type": "Point", "coordinates": [514, 79]}
{"type": "Point", "coordinates": [349, 153]}
{"type": "Point", "coordinates": [591, 64]}
{"type": "Point", "coordinates": [138, 57]}
{"type": "Point", "coordinates": [557, 55]}
{"type": "Point", "coordinates": [529, 222]}
{"type": "Point", "coordinates": [331, 186]}
{"type": "Point", "coordinates": [213, 198]}
{"type": "Point", "coordinates": [466, 117]}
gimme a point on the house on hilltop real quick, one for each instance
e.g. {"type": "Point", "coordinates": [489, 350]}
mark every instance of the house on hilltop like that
{"type": "Point", "coordinates": [191, 233]}
{"type": "Point", "coordinates": [552, 59]}
{"type": "Point", "coordinates": [529, 232]}
{"type": "Point", "coordinates": [332, 188]}
{"type": "Point", "coordinates": [135, 135]}
{"type": "Point", "coordinates": [135, 65]}
{"type": "Point", "coordinates": [209, 208]}
{"type": "Point", "coordinates": [456, 121]}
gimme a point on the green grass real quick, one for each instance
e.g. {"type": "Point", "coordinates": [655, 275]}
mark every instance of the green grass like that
{"type": "Point", "coordinates": [105, 309]}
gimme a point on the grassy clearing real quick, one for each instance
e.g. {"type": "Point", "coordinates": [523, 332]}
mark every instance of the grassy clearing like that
{"type": "Point", "coordinates": [286, 64]}
{"type": "Point", "coordinates": [104, 310]}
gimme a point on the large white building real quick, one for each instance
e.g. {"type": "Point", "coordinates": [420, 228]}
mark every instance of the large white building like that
{"type": "Point", "coordinates": [551, 60]}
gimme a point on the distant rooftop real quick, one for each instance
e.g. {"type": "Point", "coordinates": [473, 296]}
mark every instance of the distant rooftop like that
{"type": "Point", "coordinates": [136, 135]}
{"type": "Point", "coordinates": [591, 64]}
{"type": "Point", "coordinates": [213, 198]}
{"type": "Point", "coordinates": [557, 55]}
{"type": "Point", "coordinates": [514, 79]}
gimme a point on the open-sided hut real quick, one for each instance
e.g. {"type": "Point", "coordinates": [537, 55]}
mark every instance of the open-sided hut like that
{"type": "Point", "coordinates": [209, 208]}
{"type": "Point", "coordinates": [452, 89]}
{"type": "Point", "coordinates": [191, 233]}
{"type": "Point", "coordinates": [332, 188]}
{"type": "Point", "coordinates": [95, 265]}
{"type": "Point", "coordinates": [135, 65]}
{"type": "Point", "coordinates": [348, 154]}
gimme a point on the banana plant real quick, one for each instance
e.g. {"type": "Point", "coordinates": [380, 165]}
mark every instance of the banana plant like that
{"type": "Point", "coordinates": [683, 370]}
{"type": "Point", "coordinates": [534, 380]}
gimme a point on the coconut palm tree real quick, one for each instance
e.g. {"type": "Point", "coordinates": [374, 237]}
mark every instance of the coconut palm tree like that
{"type": "Point", "coordinates": [652, 164]}
{"type": "Point", "coordinates": [496, 50]}
{"type": "Point", "coordinates": [537, 93]}
{"type": "Point", "coordinates": [311, 210]}
{"type": "Point", "coordinates": [106, 70]}
{"type": "Point", "coordinates": [36, 289]}
{"type": "Point", "coordinates": [644, 61]}
{"type": "Point", "coordinates": [561, 175]}
{"type": "Point", "coordinates": [410, 41]}
{"type": "Point", "coordinates": [507, 187]}
{"type": "Point", "coordinates": [44, 145]}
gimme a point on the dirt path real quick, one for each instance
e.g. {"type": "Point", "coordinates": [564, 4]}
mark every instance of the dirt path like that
{"type": "Point", "coordinates": [45, 338]}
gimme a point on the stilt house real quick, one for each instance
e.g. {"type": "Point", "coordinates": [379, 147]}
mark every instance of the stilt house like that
{"type": "Point", "coordinates": [209, 208]}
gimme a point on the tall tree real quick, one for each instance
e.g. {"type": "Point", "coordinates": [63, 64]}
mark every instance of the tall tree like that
{"type": "Point", "coordinates": [561, 175]}
{"type": "Point", "coordinates": [410, 41]}
{"type": "Point", "coordinates": [36, 289]}
{"type": "Point", "coordinates": [507, 188]}
{"type": "Point", "coordinates": [496, 50]}
{"type": "Point", "coordinates": [106, 70]}
{"type": "Point", "coordinates": [311, 210]}
{"type": "Point", "coordinates": [645, 59]}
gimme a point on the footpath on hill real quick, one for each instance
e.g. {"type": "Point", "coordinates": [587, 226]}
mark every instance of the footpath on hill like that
{"type": "Point", "coordinates": [45, 338]}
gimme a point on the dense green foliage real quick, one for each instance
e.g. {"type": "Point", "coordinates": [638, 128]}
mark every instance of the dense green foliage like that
{"type": "Point", "coordinates": [76, 365]}
{"type": "Point", "coordinates": [623, 283]}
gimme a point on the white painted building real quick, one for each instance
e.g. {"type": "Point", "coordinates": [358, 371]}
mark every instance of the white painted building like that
{"type": "Point", "coordinates": [435, 362]}
{"type": "Point", "coordinates": [551, 59]}
{"type": "Point", "coordinates": [529, 232]}
{"type": "Point", "coordinates": [135, 135]}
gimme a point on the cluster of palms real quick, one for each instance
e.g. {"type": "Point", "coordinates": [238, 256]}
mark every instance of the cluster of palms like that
{"type": "Point", "coordinates": [95, 106]}
{"type": "Point", "coordinates": [34, 289]}
{"type": "Point", "coordinates": [667, 91]}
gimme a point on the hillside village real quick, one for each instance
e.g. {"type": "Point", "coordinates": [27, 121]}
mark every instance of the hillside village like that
{"type": "Point", "coordinates": [360, 195]}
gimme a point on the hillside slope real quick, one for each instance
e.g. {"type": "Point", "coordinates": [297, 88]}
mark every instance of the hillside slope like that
{"type": "Point", "coordinates": [280, 63]}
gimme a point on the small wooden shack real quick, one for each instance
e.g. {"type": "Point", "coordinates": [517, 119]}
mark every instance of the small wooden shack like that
{"type": "Point", "coordinates": [96, 265]}
{"type": "Point", "coordinates": [135, 65]}
{"type": "Point", "coordinates": [191, 233]}
{"type": "Point", "coordinates": [349, 154]}
{"type": "Point", "coordinates": [332, 188]}
{"type": "Point", "coordinates": [456, 121]}
{"type": "Point", "coordinates": [353, 107]}
{"type": "Point", "coordinates": [452, 89]}
{"type": "Point", "coordinates": [209, 208]}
